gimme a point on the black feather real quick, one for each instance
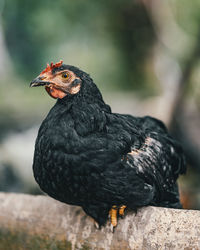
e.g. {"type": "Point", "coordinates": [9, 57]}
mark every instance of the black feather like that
{"type": "Point", "coordinates": [88, 156]}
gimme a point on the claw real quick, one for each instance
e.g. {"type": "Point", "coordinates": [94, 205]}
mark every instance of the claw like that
{"type": "Point", "coordinates": [96, 224]}
{"type": "Point", "coordinates": [111, 228]}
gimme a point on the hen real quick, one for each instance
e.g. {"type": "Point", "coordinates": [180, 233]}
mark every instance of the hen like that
{"type": "Point", "coordinates": [86, 155]}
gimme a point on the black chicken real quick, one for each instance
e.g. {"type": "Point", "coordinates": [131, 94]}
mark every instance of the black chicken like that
{"type": "Point", "coordinates": [86, 155]}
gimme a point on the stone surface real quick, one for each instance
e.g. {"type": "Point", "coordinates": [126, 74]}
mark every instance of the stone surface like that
{"type": "Point", "coordinates": [39, 222]}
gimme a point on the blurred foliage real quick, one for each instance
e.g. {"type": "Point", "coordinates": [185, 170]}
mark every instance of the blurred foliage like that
{"type": "Point", "coordinates": [187, 15]}
{"type": "Point", "coordinates": [113, 40]}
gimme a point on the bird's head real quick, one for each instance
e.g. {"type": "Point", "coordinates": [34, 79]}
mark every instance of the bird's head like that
{"type": "Point", "coordinates": [60, 80]}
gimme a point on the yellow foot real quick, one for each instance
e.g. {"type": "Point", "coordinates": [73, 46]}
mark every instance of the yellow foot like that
{"type": "Point", "coordinates": [113, 214]}
{"type": "Point", "coordinates": [121, 210]}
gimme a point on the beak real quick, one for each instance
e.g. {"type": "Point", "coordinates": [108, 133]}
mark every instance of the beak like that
{"type": "Point", "coordinates": [39, 81]}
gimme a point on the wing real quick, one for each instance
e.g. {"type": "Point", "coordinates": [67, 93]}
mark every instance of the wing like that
{"type": "Point", "coordinates": [160, 160]}
{"type": "Point", "coordinates": [157, 130]}
{"type": "Point", "coordinates": [148, 164]}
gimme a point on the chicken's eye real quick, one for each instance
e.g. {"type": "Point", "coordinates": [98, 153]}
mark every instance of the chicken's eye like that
{"type": "Point", "coordinates": [65, 75]}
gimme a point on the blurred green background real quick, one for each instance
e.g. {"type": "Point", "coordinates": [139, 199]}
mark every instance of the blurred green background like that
{"type": "Point", "coordinates": [144, 56]}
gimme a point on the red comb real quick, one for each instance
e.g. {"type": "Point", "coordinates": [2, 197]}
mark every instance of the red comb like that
{"type": "Point", "coordinates": [52, 66]}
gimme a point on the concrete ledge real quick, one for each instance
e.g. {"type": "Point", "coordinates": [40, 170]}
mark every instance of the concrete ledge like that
{"type": "Point", "coordinates": [39, 222]}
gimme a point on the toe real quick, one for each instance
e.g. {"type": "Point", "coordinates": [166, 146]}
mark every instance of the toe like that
{"type": "Point", "coordinates": [113, 216]}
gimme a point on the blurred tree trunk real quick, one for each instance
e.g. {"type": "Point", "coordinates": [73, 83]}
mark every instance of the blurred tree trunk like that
{"type": "Point", "coordinates": [179, 125]}
{"type": "Point", "coordinates": [176, 119]}
{"type": "Point", "coordinates": [184, 82]}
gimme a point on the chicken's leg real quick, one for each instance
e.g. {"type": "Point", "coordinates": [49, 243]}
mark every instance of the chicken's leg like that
{"type": "Point", "coordinates": [114, 211]}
